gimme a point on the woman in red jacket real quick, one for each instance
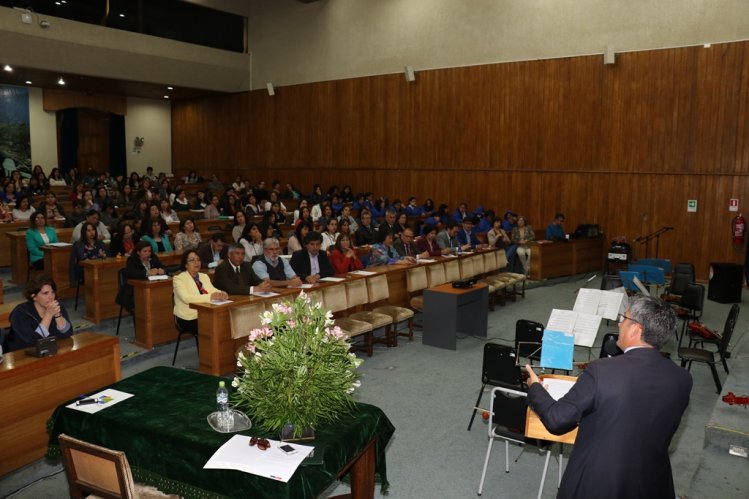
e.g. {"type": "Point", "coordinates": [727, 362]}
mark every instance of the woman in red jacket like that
{"type": "Point", "coordinates": [343, 257]}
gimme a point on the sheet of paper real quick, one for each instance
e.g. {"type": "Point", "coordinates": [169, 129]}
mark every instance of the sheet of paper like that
{"type": "Point", "coordinates": [105, 398]}
{"type": "Point", "coordinates": [587, 301]}
{"type": "Point", "coordinates": [610, 304]}
{"type": "Point", "coordinates": [264, 294]}
{"type": "Point", "coordinates": [273, 463]}
{"type": "Point", "coordinates": [303, 286]}
{"type": "Point", "coordinates": [557, 350]}
{"type": "Point", "coordinates": [362, 272]}
{"type": "Point", "coordinates": [450, 255]}
{"type": "Point", "coordinates": [158, 278]}
{"type": "Point", "coordinates": [426, 260]}
{"type": "Point", "coordinates": [625, 299]}
{"type": "Point", "coordinates": [557, 388]}
{"type": "Point", "coordinates": [586, 329]}
{"type": "Point", "coordinates": [220, 302]}
{"type": "Point", "coordinates": [332, 279]}
{"type": "Point", "coordinates": [59, 245]}
{"type": "Point", "coordinates": [561, 320]}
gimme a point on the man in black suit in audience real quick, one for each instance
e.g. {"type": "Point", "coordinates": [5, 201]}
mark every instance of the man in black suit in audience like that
{"type": "Point", "coordinates": [311, 264]}
{"type": "Point", "coordinates": [213, 252]}
{"type": "Point", "coordinates": [235, 276]}
{"type": "Point", "coordinates": [366, 234]}
{"type": "Point", "coordinates": [405, 246]}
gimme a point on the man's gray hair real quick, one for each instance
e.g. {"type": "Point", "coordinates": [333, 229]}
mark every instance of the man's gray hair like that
{"type": "Point", "coordinates": [657, 318]}
{"type": "Point", "coordinates": [234, 247]}
{"type": "Point", "coordinates": [271, 241]}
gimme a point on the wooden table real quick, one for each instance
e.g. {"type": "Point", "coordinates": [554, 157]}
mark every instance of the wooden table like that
{"type": "Point", "coordinates": [101, 285]}
{"type": "Point", "coordinates": [448, 311]}
{"type": "Point", "coordinates": [57, 266]}
{"type": "Point", "coordinates": [31, 388]}
{"type": "Point", "coordinates": [170, 443]}
{"type": "Point", "coordinates": [19, 257]}
{"type": "Point", "coordinates": [562, 259]}
{"type": "Point", "coordinates": [154, 317]}
{"type": "Point", "coordinates": [5, 310]}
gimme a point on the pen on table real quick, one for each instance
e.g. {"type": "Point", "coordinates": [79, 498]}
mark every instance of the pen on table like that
{"type": "Point", "coordinates": [275, 477]}
{"type": "Point", "coordinates": [85, 401]}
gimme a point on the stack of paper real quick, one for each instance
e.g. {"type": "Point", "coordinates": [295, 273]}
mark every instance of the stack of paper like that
{"type": "Point", "coordinates": [273, 463]}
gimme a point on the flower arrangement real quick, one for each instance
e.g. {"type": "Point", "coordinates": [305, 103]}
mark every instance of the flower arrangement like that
{"type": "Point", "coordinates": [296, 369]}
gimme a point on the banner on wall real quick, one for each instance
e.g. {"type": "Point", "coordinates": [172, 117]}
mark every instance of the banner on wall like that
{"type": "Point", "coordinates": [15, 135]}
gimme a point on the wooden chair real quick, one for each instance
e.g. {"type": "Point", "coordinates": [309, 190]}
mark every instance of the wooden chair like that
{"type": "Point", "coordinates": [98, 471]}
{"type": "Point", "coordinates": [336, 300]}
{"type": "Point", "coordinates": [361, 288]}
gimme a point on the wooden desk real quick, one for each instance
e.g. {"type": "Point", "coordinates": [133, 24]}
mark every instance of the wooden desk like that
{"type": "Point", "coordinates": [561, 259]}
{"type": "Point", "coordinates": [154, 316]}
{"type": "Point", "coordinates": [5, 310]}
{"type": "Point", "coordinates": [19, 258]}
{"type": "Point", "coordinates": [101, 285]}
{"type": "Point", "coordinates": [170, 443]}
{"type": "Point", "coordinates": [448, 310]}
{"type": "Point", "coordinates": [31, 388]}
{"type": "Point", "coordinates": [57, 266]}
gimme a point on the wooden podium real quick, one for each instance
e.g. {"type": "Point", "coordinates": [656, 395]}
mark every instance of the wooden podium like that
{"type": "Point", "coordinates": [534, 428]}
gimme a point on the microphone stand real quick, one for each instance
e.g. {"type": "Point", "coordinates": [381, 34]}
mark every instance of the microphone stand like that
{"type": "Point", "coordinates": [654, 235]}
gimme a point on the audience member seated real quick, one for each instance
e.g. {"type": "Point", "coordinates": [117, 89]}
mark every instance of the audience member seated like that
{"type": "Point", "coordinates": [427, 243]}
{"type": "Point", "coordinates": [56, 179]}
{"type": "Point", "coordinates": [405, 246]}
{"type": "Point", "coordinates": [167, 213]}
{"type": "Point", "coordinates": [155, 234]}
{"type": "Point", "coordinates": [413, 209]}
{"type": "Point", "coordinates": [346, 215]}
{"type": "Point", "coordinates": [366, 234]}
{"type": "Point", "coordinates": [300, 232]}
{"type": "Point", "coordinates": [461, 212]}
{"type": "Point", "coordinates": [311, 264]}
{"type": "Point", "coordinates": [345, 228]}
{"type": "Point", "coordinates": [383, 253]}
{"type": "Point", "coordinates": [212, 252]}
{"type": "Point", "coordinates": [252, 208]}
{"type": "Point", "coordinates": [235, 275]}
{"type": "Point", "coordinates": [92, 217]}
{"type": "Point", "coordinates": [448, 238]}
{"type": "Point", "coordinates": [343, 257]}
{"type": "Point", "coordinates": [37, 235]}
{"type": "Point", "coordinates": [141, 264]}
{"type": "Point", "coordinates": [400, 224]}
{"type": "Point", "coordinates": [187, 237]}
{"type": "Point", "coordinates": [200, 200]}
{"type": "Point", "coordinates": [330, 235]}
{"type": "Point", "coordinates": [303, 213]}
{"type": "Point", "coordinates": [88, 247]}
{"type": "Point", "coordinates": [466, 235]}
{"type": "Point", "coordinates": [192, 286]}
{"type": "Point", "coordinates": [181, 203]}
{"type": "Point", "coordinates": [240, 221]}
{"type": "Point", "coordinates": [497, 237]}
{"type": "Point", "coordinates": [40, 316]}
{"type": "Point", "coordinates": [23, 210]}
{"type": "Point", "coordinates": [390, 223]}
{"type": "Point", "coordinates": [274, 269]}
{"type": "Point", "coordinates": [252, 241]}
{"type": "Point", "coordinates": [212, 211]}
{"type": "Point", "coordinates": [555, 230]}
{"type": "Point", "coordinates": [521, 236]}
{"type": "Point", "coordinates": [124, 240]}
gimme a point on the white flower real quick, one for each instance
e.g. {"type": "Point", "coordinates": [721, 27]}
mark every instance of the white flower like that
{"type": "Point", "coordinates": [266, 318]}
{"type": "Point", "coordinates": [235, 382]}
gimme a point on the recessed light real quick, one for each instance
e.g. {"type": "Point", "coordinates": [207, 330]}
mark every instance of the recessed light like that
{"type": "Point", "coordinates": [7, 68]}
{"type": "Point", "coordinates": [61, 81]}
{"type": "Point", "coordinates": [63, 1]}
{"type": "Point", "coordinates": [28, 82]}
{"type": "Point", "coordinates": [122, 15]}
{"type": "Point", "coordinates": [170, 88]}
{"type": "Point", "coordinates": [58, 3]}
{"type": "Point", "coordinates": [166, 96]}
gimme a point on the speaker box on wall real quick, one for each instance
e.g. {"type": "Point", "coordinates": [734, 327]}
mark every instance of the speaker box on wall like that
{"type": "Point", "coordinates": [609, 57]}
{"type": "Point", "coordinates": [271, 90]}
{"type": "Point", "coordinates": [409, 72]}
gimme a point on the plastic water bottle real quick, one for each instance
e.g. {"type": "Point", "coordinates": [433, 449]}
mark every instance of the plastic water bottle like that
{"type": "Point", "coordinates": [225, 418]}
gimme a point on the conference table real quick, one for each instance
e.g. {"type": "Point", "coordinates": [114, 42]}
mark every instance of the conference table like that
{"type": "Point", "coordinates": [31, 388]}
{"type": "Point", "coordinates": [164, 433]}
{"type": "Point", "coordinates": [557, 259]}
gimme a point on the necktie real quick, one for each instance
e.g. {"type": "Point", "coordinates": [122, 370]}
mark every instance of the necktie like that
{"type": "Point", "coordinates": [200, 285]}
{"type": "Point", "coordinates": [408, 249]}
{"type": "Point", "coordinates": [236, 270]}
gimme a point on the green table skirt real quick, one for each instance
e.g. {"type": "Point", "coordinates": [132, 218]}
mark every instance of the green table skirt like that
{"type": "Point", "coordinates": [164, 432]}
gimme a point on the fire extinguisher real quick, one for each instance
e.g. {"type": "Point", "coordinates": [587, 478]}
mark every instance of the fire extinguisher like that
{"type": "Point", "coordinates": [738, 229]}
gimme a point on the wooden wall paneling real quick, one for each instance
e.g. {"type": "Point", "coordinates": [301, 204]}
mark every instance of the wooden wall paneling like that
{"type": "Point", "coordinates": [93, 140]}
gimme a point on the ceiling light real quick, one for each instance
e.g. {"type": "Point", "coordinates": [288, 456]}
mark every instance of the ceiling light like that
{"type": "Point", "coordinates": [58, 3]}
{"type": "Point", "coordinates": [170, 88]}
{"type": "Point", "coordinates": [122, 15]}
{"type": "Point", "coordinates": [166, 96]}
{"type": "Point", "coordinates": [63, 1]}
{"type": "Point", "coordinates": [61, 81]}
{"type": "Point", "coordinates": [8, 68]}
{"type": "Point", "coordinates": [28, 82]}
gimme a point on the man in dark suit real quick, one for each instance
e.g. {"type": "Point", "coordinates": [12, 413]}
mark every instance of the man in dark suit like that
{"type": "Point", "coordinates": [236, 277]}
{"type": "Point", "coordinates": [213, 252]}
{"type": "Point", "coordinates": [405, 246]}
{"type": "Point", "coordinates": [627, 407]}
{"type": "Point", "coordinates": [309, 263]}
